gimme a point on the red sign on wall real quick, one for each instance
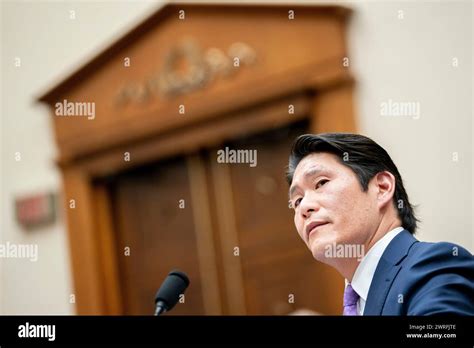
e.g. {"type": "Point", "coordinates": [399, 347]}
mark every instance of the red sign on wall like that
{"type": "Point", "coordinates": [35, 211]}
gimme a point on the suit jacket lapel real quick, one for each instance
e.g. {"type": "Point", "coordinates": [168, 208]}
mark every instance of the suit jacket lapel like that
{"type": "Point", "coordinates": [386, 271]}
{"type": "Point", "coordinates": [381, 283]}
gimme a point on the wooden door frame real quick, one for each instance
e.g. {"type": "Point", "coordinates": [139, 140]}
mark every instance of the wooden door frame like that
{"type": "Point", "coordinates": [322, 93]}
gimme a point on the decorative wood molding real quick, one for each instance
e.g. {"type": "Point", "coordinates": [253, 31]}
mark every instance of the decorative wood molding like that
{"type": "Point", "coordinates": [81, 222]}
{"type": "Point", "coordinates": [81, 74]}
{"type": "Point", "coordinates": [108, 251]}
{"type": "Point", "coordinates": [128, 131]}
{"type": "Point", "coordinates": [229, 239]}
{"type": "Point", "coordinates": [204, 236]}
{"type": "Point", "coordinates": [270, 114]}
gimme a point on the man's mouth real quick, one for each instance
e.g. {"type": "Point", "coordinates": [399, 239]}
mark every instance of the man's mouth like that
{"type": "Point", "coordinates": [313, 226]}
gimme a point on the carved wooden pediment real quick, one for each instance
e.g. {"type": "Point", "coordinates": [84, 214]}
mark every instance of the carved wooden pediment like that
{"type": "Point", "coordinates": [188, 63]}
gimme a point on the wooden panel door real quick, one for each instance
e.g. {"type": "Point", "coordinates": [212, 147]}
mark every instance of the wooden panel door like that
{"type": "Point", "coordinates": [153, 218]}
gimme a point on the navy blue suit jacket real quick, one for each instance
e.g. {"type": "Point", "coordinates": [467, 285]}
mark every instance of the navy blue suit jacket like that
{"type": "Point", "coordinates": [418, 278]}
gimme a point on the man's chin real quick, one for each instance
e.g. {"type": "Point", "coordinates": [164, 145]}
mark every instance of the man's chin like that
{"type": "Point", "coordinates": [319, 250]}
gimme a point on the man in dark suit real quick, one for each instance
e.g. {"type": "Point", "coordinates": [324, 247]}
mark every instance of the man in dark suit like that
{"type": "Point", "coordinates": [353, 213]}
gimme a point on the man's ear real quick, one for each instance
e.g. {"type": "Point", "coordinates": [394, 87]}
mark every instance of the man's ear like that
{"type": "Point", "coordinates": [385, 187]}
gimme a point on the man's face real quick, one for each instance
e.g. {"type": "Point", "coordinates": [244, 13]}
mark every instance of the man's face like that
{"type": "Point", "coordinates": [325, 191]}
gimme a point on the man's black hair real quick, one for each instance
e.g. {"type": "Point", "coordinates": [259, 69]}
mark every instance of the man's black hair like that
{"type": "Point", "coordinates": [363, 156]}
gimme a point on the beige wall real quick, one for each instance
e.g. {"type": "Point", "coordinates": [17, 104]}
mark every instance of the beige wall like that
{"type": "Point", "coordinates": [410, 59]}
{"type": "Point", "coordinates": [407, 59]}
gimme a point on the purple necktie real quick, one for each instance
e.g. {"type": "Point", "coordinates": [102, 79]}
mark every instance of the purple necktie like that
{"type": "Point", "coordinates": [350, 301]}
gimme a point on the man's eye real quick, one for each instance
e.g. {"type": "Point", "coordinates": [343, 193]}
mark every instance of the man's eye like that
{"type": "Point", "coordinates": [321, 183]}
{"type": "Point", "coordinates": [297, 202]}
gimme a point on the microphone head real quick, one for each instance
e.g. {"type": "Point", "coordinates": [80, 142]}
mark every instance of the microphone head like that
{"type": "Point", "coordinates": [173, 286]}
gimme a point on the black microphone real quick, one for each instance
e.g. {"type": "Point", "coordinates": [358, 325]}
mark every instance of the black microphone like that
{"type": "Point", "coordinates": [168, 294]}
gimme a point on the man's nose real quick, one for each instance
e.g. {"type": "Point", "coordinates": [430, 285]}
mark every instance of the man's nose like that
{"type": "Point", "coordinates": [308, 206]}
